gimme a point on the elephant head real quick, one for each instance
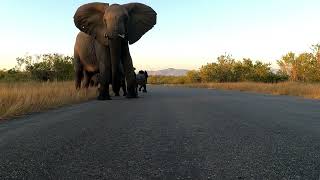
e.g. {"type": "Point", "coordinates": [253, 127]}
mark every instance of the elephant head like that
{"type": "Point", "coordinates": [104, 22]}
{"type": "Point", "coordinates": [114, 26]}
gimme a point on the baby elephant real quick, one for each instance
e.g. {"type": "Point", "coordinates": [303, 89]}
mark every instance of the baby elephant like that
{"type": "Point", "coordinates": [142, 78]}
{"type": "Point", "coordinates": [95, 83]}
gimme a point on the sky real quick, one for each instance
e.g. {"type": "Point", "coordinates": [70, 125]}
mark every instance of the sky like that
{"type": "Point", "coordinates": [188, 33]}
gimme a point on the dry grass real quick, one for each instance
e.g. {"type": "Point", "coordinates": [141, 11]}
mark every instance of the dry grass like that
{"type": "Point", "coordinates": [21, 98]}
{"type": "Point", "coordinates": [306, 90]}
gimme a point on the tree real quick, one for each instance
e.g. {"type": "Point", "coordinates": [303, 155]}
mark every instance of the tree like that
{"type": "Point", "coordinates": [208, 72]}
{"type": "Point", "coordinates": [287, 65]}
{"type": "Point", "coordinates": [193, 76]}
{"type": "Point", "coordinates": [303, 67]}
{"type": "Point", "coordinates": [47, 67]}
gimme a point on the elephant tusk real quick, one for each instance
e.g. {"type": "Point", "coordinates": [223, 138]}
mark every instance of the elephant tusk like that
{"type": "Point", "coordinates": [122, 36]}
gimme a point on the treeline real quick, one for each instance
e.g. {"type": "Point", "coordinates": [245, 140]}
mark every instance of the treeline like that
{"type": "Point", "coordinates": [46, 67]}
{"type": "Point", "coordinates": [304, 67]}
{"type": "Point", "coordinates": [226, 69]}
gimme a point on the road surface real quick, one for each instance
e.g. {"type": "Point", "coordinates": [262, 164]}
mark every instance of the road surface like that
{"type": "Point", "coordinates": [168, 133]}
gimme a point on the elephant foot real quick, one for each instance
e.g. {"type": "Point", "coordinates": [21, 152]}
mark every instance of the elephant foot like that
{"type": "Point", "coordinates": [131, 95]}
{"type": "Point", "coordinates": [103, 96]}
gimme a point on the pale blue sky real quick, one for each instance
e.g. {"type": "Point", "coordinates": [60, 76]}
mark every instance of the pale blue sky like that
{"type": "Point", "coordinates": [188, 34]}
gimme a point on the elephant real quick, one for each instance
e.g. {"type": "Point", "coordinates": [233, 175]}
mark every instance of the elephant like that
{"type": "Point", "coordinates": [113, 28]}
{"type": "Point", "coordinates": [142, 80]}
{"type": "Point", "coordinates": [94, 82]}
{"type": "Point", "coordinates": [86, 64]}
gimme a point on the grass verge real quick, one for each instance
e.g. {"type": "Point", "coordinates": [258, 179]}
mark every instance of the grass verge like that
{"type": "Point", "coordinates": [306, 90]}
{"type": "Point", "coordinates": [21, 98]}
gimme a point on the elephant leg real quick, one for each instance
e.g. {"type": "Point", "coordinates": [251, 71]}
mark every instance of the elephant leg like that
{"type": "Point", "coordinates": [116, 93]}
{"type": "Point", "coordinates": [144, 88]}
{"type": "Point", "coordinates": [92, 83]}
{"type": "Point", "coordinates": [123, 85]}
{"type": "Point", "coordinates": [103, 56]}
{"type": "Point", "coordinates": [96, 81]}
{"type": "Point", "coordinates": [136, 88]}
{"type": "Point", "coordinates": [87, 79]}
{"type": "Point", "coordinates": [115, 56]}
{"type": "Point", "coordinates": [78, 68]}
{"type": "Point", "coordinates": [129, 72]}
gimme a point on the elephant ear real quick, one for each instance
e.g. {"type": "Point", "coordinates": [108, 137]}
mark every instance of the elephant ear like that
{"type": "Point", "coordinates": [89, 19]}
{"type": "Point", "coordinates": [141, 19]}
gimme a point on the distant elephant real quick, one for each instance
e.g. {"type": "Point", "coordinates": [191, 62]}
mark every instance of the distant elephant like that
{"type": "Point", "coordinates": [142, 80]}
{"type": "Point", "coordinates": [86, 64]}
{"type": "Point", "coordinates": [112, 27]}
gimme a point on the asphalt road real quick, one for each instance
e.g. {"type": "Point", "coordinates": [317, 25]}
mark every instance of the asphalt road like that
{"type": "Point", "coordinates": [168, 133]}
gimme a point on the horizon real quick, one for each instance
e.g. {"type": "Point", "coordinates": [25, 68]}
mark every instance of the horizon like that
{"type": "Point", "coordinates": [186, 36]}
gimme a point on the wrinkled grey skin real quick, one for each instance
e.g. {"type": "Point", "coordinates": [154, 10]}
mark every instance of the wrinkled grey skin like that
{"type": "Point", "coordinates": [85, 60]}
{"type": "Point", "coordinates": [86, 64]}
{"type": "Point", "coordinates": [113, 28]}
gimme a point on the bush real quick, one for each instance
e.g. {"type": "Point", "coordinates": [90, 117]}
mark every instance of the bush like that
{"type": "Point", "coordinates": [304, 67]}
{"type": "Point", "coordinates": [167, 80]}
{"type": "Point", "coordinates": [227, 69]}
{"type": "Point", "coordinates": [13, 75]}
{"type": "Point", "coordinates": [193, 77]}
{"type": "Point", "coordinates": [48, 67]}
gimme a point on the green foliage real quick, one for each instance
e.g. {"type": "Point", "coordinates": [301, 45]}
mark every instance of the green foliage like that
{"type": "Point", "coordinates": [167, 80]}
{"type": "Point", "coordinates": [48, 67]}
{"type": "Point", "coordinates": [227, 69]}
{"type": "Point", "coordinates": [13, 75]}
{"type": "Point", "coordinates": [304, 67]}
{"type": "Point", "coordinates": [193, 77]}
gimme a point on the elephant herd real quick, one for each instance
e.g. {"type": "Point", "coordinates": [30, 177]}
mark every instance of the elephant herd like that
{"type": "Point", "coordinates": [101, 51]}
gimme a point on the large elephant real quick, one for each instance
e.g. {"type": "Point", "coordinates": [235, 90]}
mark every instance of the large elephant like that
{"type": "Point", "coordinates": [113, 27]}
{"type": "Point", "coordinates": [86, 64]}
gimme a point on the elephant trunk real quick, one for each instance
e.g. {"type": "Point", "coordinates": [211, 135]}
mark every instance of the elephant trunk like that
{"type": "Point", "coordinates": [115, 53]}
